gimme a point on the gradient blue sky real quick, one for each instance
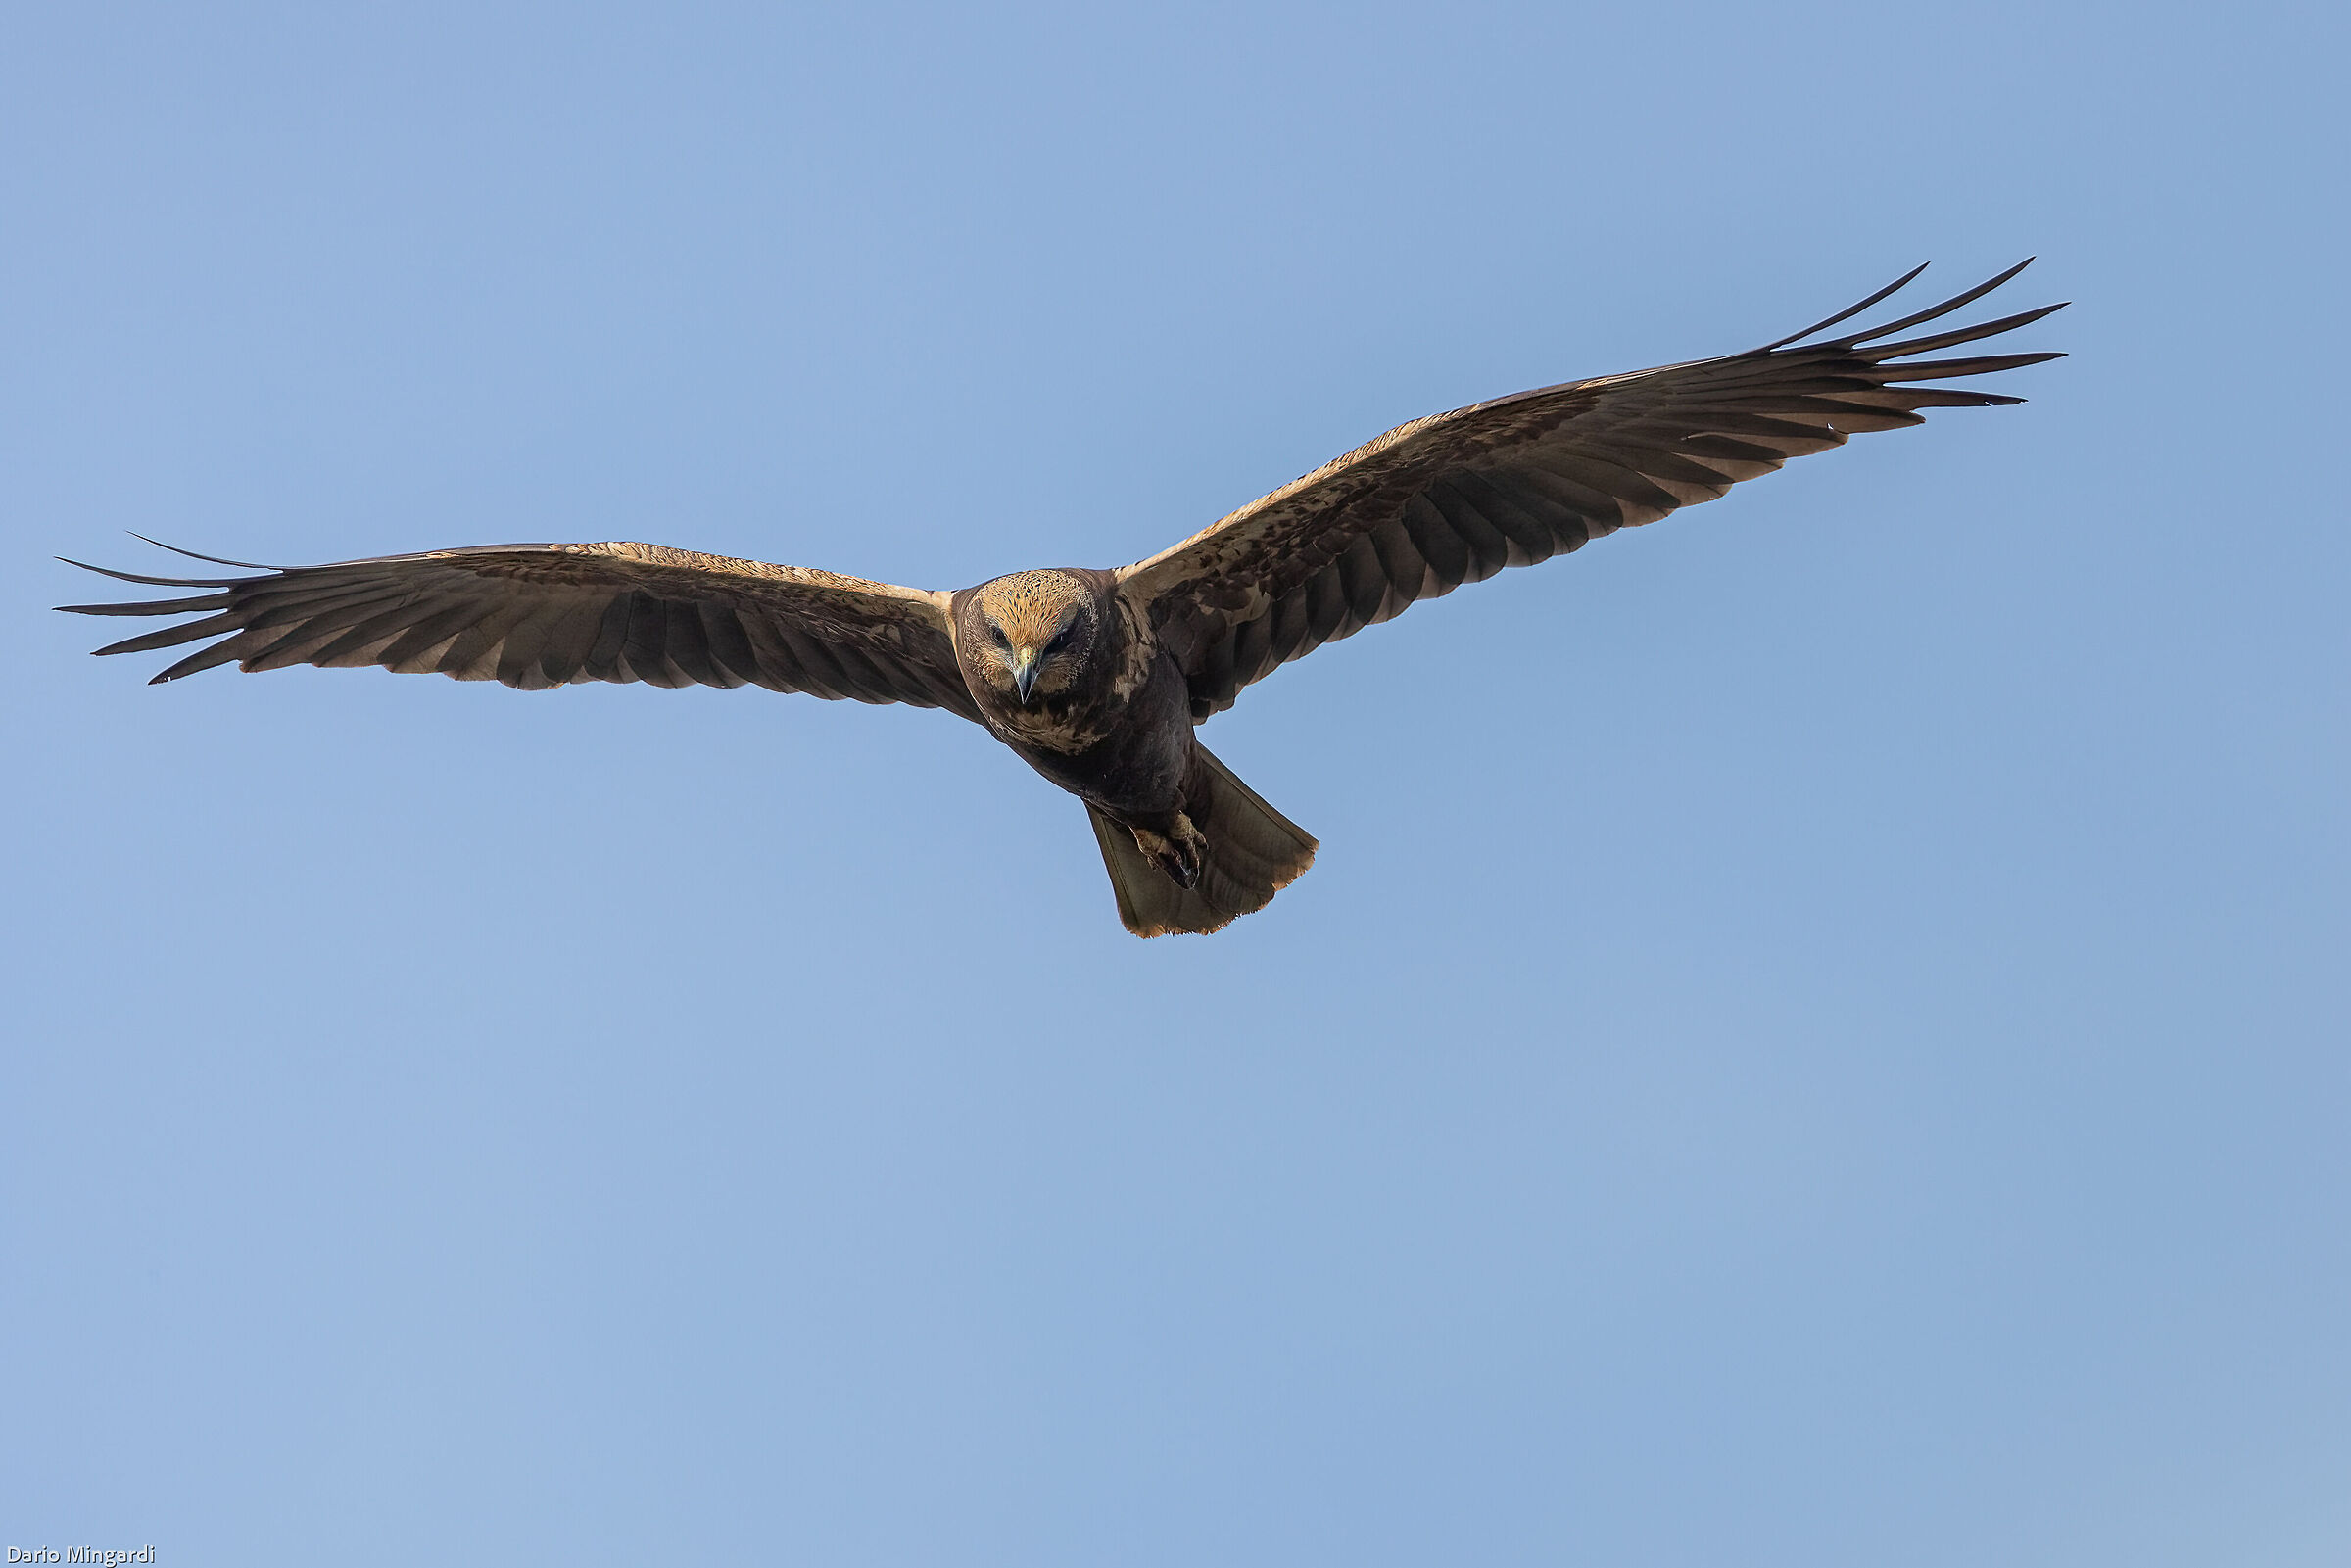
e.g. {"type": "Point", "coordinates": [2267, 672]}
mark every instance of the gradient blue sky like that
{"type": "Point", "coordinates": [1817, 1037]}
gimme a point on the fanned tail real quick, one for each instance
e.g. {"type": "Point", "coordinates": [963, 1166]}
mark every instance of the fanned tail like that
{"type": "Point", "coordinates": [1252, 853]}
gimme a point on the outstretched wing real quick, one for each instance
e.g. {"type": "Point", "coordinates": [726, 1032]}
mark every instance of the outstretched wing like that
{"type": "Point", "coordinates": [544, 615]}
{"type": "Point", "coordinates": [1456, 498]}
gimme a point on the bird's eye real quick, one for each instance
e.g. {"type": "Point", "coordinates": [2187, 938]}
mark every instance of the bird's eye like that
{"type": "Point", "coordinates": [1002, 641]}
{"type": "Point", "coordinates": [1061, 640]}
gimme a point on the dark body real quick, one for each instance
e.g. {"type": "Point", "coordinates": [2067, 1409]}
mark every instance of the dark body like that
{"type": "Point", "coordinates": [1065, 671]}
{"type": "Point", "coordinates": [1098, 678]}
{"type": "Point", "coordinates": [1134, 749]}
{"type": "Point", "coordinates": [1118, 734]}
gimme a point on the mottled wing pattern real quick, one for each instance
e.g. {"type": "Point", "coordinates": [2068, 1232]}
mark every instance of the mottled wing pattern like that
{"type": "Point", "coordinates": [1456, 498]}
{"type": "Point", "coordinates": [546, 615]}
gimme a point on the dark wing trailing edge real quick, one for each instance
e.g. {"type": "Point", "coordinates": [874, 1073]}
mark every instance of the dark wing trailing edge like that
{"type": "Point", "coordinates": [1456, 498]}
{"type": "Point", "coordinates": [544, 615]}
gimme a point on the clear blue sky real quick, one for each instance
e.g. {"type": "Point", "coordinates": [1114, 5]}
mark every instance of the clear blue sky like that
{"type": "Point", "coordinates": [1817, 1037]}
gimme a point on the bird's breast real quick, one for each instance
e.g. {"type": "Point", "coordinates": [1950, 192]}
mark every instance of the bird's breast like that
{"type": "Point", "coordinates": [1066, 728]}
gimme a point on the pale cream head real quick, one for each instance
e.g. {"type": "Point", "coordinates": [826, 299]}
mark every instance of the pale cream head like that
{"type": "Point", "coordinates": [1036, 631]}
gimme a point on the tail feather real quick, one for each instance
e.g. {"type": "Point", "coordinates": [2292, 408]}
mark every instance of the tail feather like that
{"type": "Point", "coordinates": [1253, 852]}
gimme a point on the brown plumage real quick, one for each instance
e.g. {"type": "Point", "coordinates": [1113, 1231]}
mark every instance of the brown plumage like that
{"type": "Point", "coordinates": [1097, 679]}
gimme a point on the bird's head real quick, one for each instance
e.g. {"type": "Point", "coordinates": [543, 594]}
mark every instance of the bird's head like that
{"type": "Point", "coordinates": [1035, 634]}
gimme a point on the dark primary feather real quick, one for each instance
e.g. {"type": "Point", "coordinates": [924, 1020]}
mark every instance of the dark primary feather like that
{"type": "Point", "coordinates": [1458, 497]}
{"type": "Point", "coordinates": [544, 615]}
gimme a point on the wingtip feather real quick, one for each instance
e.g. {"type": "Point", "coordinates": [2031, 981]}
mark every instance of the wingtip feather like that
{"type": "Point", "coordinates": [1945, 308]}
{"type": "Point", "coordinates": [1848, 313]}
{"type": "Point", "coordinates": [217, 560]}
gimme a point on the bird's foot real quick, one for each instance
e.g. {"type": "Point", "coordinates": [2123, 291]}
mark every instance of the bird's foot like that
{"type": "Point", "coordinates": [1178, 853]}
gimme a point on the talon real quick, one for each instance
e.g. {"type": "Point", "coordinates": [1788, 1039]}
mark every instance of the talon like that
{"type": "Point", "coordinates": [1179, 857]}
{"type": "Point", "coordinates": [1193, 848]}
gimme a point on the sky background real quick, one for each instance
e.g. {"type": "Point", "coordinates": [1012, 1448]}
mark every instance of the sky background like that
{"type": "Point", "coordinates": [1818, 1033]}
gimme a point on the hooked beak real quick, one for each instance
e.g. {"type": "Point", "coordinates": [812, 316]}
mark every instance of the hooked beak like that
{"type": "Point", "coordinates": [1024, 674]}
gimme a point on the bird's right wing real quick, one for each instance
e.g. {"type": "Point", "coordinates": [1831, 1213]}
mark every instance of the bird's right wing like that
{"type": "Point", "coordinates": [544, 615]}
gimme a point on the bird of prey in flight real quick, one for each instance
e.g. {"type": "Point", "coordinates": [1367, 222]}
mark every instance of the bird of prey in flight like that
{"type": "Point", "coordinates": [1098, 678]}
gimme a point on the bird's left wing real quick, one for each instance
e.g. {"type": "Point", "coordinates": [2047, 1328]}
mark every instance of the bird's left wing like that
{"type": "Point", "coordinates": [546, 615]}
{"type": "Point", "coordinates": [1456, 498]}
